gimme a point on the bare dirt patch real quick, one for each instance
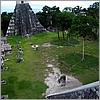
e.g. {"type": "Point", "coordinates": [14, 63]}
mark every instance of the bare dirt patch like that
{"type": "Point", "coordinates": [52, 81]}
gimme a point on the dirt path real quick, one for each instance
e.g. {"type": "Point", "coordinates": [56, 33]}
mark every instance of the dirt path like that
{"type": "Point", "coordinates": [54, 86]}
{"type": "Point", "coordinates": [52, 77]}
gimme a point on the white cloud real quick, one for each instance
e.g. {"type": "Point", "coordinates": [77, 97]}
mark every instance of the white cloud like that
{"type": "Point", "coordinates": [38, 5]}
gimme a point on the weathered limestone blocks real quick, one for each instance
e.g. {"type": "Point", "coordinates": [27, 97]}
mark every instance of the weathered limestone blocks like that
{"type": "Point", "coordinates": [89, 91]}
{"type": "Point", "coordinates": [24, 21]}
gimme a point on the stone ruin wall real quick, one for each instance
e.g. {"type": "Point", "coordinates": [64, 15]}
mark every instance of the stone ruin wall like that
{"type": "Point", "coordinates": [89, 91]}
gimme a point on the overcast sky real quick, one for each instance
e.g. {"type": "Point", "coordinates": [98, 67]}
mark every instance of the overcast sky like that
{"type": "Point", "coordinates": [8, 6]}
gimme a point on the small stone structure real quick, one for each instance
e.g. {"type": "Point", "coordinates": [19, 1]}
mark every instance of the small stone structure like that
{"type": "Point", "coordinates": [3, 40]}
{"type": "Point", "coordinates": [35, 47]}
{"type": "Point", "coordinates": [3, 81]}
{"type": "Point", "coordinates": [5, 47]}
{"type": "Point", "coordinates": [89, 91]}
{"type": "Point", "coordinates": [4, 96]}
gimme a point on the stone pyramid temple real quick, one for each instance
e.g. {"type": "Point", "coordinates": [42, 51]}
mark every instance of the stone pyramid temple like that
{"type": "Point", "coordinates": [23, 21]}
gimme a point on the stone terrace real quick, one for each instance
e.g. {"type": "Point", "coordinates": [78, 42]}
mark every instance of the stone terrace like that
{"type": "Point", "coordinates": [89, 91]}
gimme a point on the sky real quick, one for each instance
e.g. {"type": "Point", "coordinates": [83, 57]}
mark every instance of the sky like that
{"type": "Point", "coordinates": [9, 6]}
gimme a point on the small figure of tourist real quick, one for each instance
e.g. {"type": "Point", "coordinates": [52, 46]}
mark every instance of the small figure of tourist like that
{"type": "Point", "coordinates": [62, 80]}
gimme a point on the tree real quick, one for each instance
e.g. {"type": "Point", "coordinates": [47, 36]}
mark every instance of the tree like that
{"type": "Point", "coordinates": [5, 18]}
{"type": "Point", "coordinates": [53, 16]}
{"type": "Point", "coordinates": [93, 11]}
{"type": "Point", "coordinates": [81, 27]}
{"type": "Point", "coordinates": [42, 16]}
{"type": "Point", "coordinates": [48, 16]}
{"type": "Point", "coordinates": [64, 21]}
{"type": "Point", "coordinates": [76, 10]}
{"type": "Point", "coordinates": [46, 9]}
{"type": "Point", "coordinates": [94, 25]}
{"type": "Point", "coordinates": [67, 9]}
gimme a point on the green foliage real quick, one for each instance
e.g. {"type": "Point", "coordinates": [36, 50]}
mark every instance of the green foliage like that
{"type": "Point", "coordinates": [5, 18]}
{"type": "Point", "coordinates": [93, 10]}
{"type": "Point", "coordinates": [67, 9]}
{"type": "Point", "coordinates": [48, 16]}
{"type": "Point", "coordinates": [64, 20]}
{"type": "Point", "coordinates": [77, 10]}
{"type": "Point", "coordinates": [80, 26]}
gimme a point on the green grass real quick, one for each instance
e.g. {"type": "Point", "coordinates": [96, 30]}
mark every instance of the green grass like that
{"type": "Point", "coordinates": [25, 80]}
{"type": "Point", "coordinates": [86, 71]}
{"type": "Point", "coordinates": [62, 42]}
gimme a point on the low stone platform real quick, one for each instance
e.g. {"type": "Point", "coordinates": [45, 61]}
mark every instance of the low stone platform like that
{"type": "Point", "coordinates": [89, 91]}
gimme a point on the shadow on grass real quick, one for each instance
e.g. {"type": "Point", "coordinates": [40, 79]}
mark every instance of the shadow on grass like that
{"type": "Point", "coordinates": [62, 42]}
{"type": "Point", "coordinates": [36, 87]}
{"type": "Point", "coordinates": [42, 34]}
{"type": "Point", "coordinates": [87, 70]}
{"type": "Point", "coordinates": [26, 89]}
{"type": "Point", "coordinates": [70, 59]}
{"type": "Point", "coordinates": [8, 90]}
{"type": "Point", "coordinates": [12, 79]}
{"type": "Point", "coordinates": [39, 88]}
{"type": "Point", "coordinates": [24, 85]}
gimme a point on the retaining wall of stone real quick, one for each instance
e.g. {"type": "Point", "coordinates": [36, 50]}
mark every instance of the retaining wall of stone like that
{"type": "Point", "coordinates": [89, 91]}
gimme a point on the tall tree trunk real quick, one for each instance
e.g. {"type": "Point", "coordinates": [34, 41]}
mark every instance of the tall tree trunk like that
{"type": "Point", "coordinates": [83, 50]}
{"type": "Point", "coordinates": [58, 34]}
{"type": "Point", "coordinates": [68, 39]}
{"type": "Point", "coordinates": [97, 33]}
{"type": "Point", "coordinates": [63, 35]}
